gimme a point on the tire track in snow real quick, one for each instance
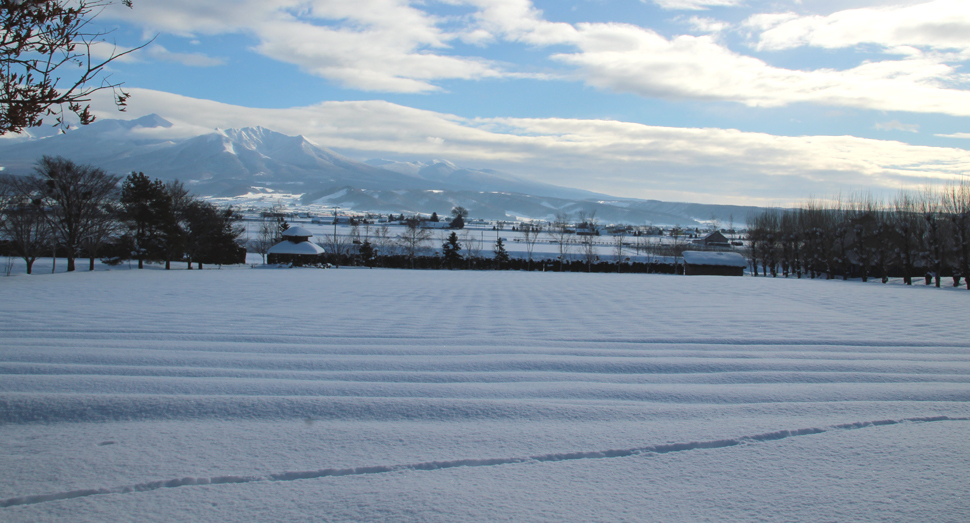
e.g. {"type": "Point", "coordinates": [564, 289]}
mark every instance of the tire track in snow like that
{"type": "Point", "coordinates": [236, 336]}
{"type": "Point", "coordinates": [440, 465]}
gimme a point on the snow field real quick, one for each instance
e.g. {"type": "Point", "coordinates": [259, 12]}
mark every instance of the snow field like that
{"type": "Point", "coordinates": [471, 396]}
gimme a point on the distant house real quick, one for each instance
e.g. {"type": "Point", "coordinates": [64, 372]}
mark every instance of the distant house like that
{"type": "Point", "coordinates": [714, 263]}
{"type": "Point", "coordinates": [329, 220]}
{"type": "Point", "coordinates": [428, 224]}
{"type": "Point", "coordinates": [295, 248]}
{"type": "Point", "coordinates": [714, 239]}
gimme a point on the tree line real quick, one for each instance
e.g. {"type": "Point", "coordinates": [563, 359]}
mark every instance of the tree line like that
{"type": "Point", "coordinates": [922, 234]}
{"type": "Point", "coordinates": [412, 248]}
{"type": "Point", "coordinates": [71, 210]}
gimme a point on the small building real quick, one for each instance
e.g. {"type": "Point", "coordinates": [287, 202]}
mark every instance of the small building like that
{"type": "Point", "coordinates": [331, 220]}
{"type": "Point", "coordinates": [296, 248]}
{"type": "Point", "coordinates": [714, 263]}
{"type": "Point", "coordinates": [714, 239]}
{"type": "Point", "coordinates": [428, 224]}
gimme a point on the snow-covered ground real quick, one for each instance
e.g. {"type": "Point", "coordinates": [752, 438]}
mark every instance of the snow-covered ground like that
{"type": "Point", "coordinates": [388, 395]}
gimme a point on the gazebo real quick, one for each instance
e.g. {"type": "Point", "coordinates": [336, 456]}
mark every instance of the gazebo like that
{"type": "Point", "coordinates": [715, 263]}
{"type": "Point", "coordinates": [296, 248]}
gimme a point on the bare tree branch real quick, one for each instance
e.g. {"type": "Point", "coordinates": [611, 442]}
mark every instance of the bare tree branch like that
{"type": "Point", "coordinates": [46, 62]}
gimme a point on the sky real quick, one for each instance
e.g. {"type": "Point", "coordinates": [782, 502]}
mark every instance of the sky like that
{"type": "Point", "coordinates": [712, 101]}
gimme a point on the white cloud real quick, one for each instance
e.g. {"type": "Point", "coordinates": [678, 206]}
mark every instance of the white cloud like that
{"type": "Point", "coordinates": [627, 58]}
{"type": "Point", "coordinates": [631, 59]}
{"type": "Point", "coordinates": [707, 25]}
{"type": "Point", "coordinates": [394, 46]}
{"type": "Point", "coordinates": [160, 53]}
{"type": "Point", "coordinates": [384, 45]}
{"type": "Point", "coordinates": [518, 21]}
{"type": "Point", "coordinates": [711, 165]}
{"type": "Point", "coordinates": [693, 5]}
{"type": "Point", "coordinates": [896, 125]}
{"type": "Point", "coordinates": [955, 135]}
{"type": "Point", "coordinates": [941, 25]}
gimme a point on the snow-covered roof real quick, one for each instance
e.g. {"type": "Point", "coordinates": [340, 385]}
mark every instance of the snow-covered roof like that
{"type": "Point", "coordinates": [288, 247]}
{"type": "Point", "coordinates": [297, 231]}
{"type": "Point", "coordinates": [726, 259]}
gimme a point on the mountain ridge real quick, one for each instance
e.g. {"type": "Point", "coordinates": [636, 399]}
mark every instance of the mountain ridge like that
{"type": "Point", "coordinates": [231, 162]}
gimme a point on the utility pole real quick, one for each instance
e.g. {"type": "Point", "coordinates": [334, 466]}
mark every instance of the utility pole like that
{"type": "Point", "coordinates": [335, 224]}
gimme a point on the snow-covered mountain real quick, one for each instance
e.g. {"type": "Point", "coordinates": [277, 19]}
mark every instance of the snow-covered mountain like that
{"type": "Point", "coordinates": [224, 162]}
{"type": "Point", "coordinates": [452, 176]}
{"type": "Point", "coordinates": [241, 161]}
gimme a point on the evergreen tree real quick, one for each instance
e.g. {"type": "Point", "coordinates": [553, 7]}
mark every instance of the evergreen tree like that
{"type": "Point", "coordinates": [450, 248]}
{"type": "Point", "coordinates": [457, 223]}
{"type": "Point", "coordinates": [174, 224]}
{"type": "Point", "coordinates": [213, 235]}
{"type": "Point", "coordinates": [366, 252]}
{"type": "Point", "coordinates": [281, 227]}
{"type": "Point", "coordinates": [146, 206]}
{"type": "Point", "coordinates": [501, 255]}
{"type": "Point", "coordinates": [434, 217]}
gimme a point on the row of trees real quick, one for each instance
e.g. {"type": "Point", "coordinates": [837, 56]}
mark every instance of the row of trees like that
{"type": "Point", "coordinates": [465, 252]}
{"type": "Point", "coordinates": [78, 210]}
{"type": "Point", "coordinates": [413, 247]}
{"type": "Point", "coordinates": [915, 234]}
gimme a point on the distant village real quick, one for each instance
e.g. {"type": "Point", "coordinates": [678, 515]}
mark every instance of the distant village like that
{"type": "Point", "coordinates": [78, 211]}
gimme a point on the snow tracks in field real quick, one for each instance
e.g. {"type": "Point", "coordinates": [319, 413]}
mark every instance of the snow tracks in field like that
{"type": "Point", "coordinates": [472, 462]}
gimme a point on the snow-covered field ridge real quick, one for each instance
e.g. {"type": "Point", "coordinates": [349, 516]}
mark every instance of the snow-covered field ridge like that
{"type": "Point", "coordinates": [383, 395]}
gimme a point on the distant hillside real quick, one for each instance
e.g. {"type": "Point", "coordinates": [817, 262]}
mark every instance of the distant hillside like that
{"type": "Point", "coordinates": [241, 161]}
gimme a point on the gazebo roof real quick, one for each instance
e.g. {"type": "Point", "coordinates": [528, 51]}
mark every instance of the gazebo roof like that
{"type": "Point", "coordinates": [298, 232]}
{"type": "Point", "coordinates": [288, 247]}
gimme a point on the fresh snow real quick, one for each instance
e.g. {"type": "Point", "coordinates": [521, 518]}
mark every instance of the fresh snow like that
{"type": "Point", "coordinates": [387, 395]}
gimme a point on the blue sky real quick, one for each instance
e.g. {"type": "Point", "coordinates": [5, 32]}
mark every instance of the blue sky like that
{"type": "Point", "coordinates": [736, 101]}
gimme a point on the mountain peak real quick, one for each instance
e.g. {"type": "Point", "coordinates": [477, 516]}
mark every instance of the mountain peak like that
{"type": "Point", "coordinates": [150, 121]}
{"type": "Point", "coordinates": [444, 163]}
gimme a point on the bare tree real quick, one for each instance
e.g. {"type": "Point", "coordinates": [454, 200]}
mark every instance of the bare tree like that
{"type": "Point", "coordinates": [335, 245]}
{"type": "Point", "coordinates": [23, 222]}
{"type": "Point", "coordinates": [587, 240]}
{"type": "Point", "coordinates": [265, 236]}
{"type": "Point", "coordinates": [458, 216]}
{"type": "Point", "coordinates": [472, 244]}
{"type": "Point", "coordinates": [413, 238]}
{"type": "Point", "coordinates": [906, 229]}
{"type": "Point", "coordinates": [934, 249]}
{"type": "Point", "coordinates": [105, 228]}
{"type": "Point", "coordinates": [789, 239]}
{"type": "Point", "coordinates": [382, 239]}
{"type": "Point", "coordinates": [73, 198]}
{"type": "Point", "coordinates": [642, 238]}
{"type": "Point", "coordinates": [864, 220]}
{"type": "Point", "coordinates": [530, 233]}
{"type": "Point", "coordinates": [618, 238]}
{"type": "Point", "coordinates": [277, 213]}
{"type": "Point", "coordinates": [47, 64]}
{"type": "Point", "coordinates": [956, 204]}
{"type": "Point", "coordinates": [559, 232]}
